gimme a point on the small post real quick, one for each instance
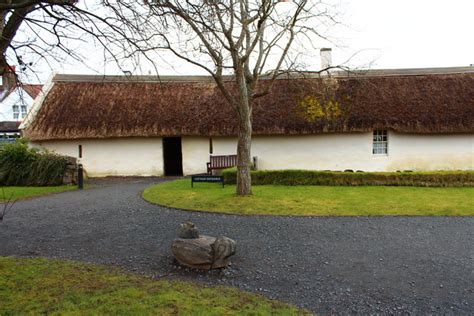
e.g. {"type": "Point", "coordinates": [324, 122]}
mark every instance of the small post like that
{"type": "Point", "coordinates": [255, 167]}
{"type": "Point", "coordinates": [80, 177]}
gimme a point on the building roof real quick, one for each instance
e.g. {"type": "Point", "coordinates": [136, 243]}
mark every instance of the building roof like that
{"type": "Point", "coordinates": [411, 101]}
{"type": "Point", "coordinates": [33, 90]}
{"type": "Point", "coordinates": [6, 127]}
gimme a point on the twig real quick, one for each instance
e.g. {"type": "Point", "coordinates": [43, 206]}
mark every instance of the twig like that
{"type": "Point", "coordinates": [7, 205]}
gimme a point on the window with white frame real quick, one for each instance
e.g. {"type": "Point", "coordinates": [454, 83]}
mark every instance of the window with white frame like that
{"type": "Point", "coordinates": [16, 112]}
{"type": "Point", "coordinates": [24, 111]}
{"type": "Point", "coordinates": [380, 142]}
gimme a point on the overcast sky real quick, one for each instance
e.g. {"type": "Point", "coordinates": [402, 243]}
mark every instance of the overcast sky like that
{"type": "Point", "coordinates": [413, 33]}
{"type": "Point", "coordinates": [386, 33]}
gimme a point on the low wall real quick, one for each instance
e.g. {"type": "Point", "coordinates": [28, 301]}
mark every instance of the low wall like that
{"type": "Point", "coordinates": [70, 175]}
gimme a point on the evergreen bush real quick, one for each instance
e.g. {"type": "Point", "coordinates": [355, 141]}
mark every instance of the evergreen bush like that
{"type": "Point", "coordinates": [24, 166]}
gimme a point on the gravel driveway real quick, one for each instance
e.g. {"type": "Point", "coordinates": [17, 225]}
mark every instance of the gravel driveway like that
{"type": "Point", "coordinates": [399, 265]}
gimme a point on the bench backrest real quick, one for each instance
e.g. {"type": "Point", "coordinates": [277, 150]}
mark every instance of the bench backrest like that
{"type": "Point", "coordinates": [222, 162]}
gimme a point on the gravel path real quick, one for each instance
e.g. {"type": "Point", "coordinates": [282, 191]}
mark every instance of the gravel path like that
{"type": "Point", "coordinates": [399, 265]}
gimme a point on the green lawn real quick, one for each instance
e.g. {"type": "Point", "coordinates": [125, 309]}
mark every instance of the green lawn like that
{"type": "Point", "coordinates": [315, 200]}
{"type": "Point", "coordinates": [27, 192]}
{"type": "Point", "coordinates": [42, 286]}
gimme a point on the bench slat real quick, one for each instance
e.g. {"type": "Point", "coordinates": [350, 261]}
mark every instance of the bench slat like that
{"type": "Point", "coordinates": [222, 162]}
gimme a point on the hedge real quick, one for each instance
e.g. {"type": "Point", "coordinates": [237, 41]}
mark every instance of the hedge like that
{"type": "Point", "coordinates": [335, 178]}
{"type": "Point", "coordinates": [24, 166]}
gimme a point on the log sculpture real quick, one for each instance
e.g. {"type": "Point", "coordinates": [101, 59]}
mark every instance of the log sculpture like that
{"type": "Point", "coordinates": [201, 252]}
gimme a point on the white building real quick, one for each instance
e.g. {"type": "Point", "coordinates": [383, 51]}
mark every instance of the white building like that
{"type": "Point", "coordinates": [15, 102]}
{"type": "Point", "coordinates": [414, 119]}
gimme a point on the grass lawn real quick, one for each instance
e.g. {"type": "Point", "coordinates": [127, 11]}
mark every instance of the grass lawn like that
{"type": "Point", "coordinates": [315, 200]}
{"type": "Point", "coordinates": [26, 192]}
{"type": "Point", "coordinates": [42, 286]}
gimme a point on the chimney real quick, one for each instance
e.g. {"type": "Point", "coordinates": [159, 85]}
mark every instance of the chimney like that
{"type": "Point", "coordinates": [8, 78]}
{"type": "Point", "coordinates": [326, 58]}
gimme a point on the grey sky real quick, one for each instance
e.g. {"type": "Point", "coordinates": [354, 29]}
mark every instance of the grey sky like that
{"type": "Point", "coordinates": [413, 33]}
{"type": "Point", "coordinates": [386, 33]}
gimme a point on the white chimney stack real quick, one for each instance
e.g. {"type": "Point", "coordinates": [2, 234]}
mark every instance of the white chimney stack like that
{"type": "Point", "coordinates": [326, 58]}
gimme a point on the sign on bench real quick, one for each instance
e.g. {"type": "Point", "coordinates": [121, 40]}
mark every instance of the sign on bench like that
{"type": "Point", "coordinates": [207, 178]}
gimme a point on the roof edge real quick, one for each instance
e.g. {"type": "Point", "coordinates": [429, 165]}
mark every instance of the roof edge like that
{"type": "Point", "coordinates": [38, 102]}
{"type": "Point", "coordinates": [303, 74]}
{"type": "Point", "coordinates": [292, 134]}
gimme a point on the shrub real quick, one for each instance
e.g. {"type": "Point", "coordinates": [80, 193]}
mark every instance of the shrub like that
{"type": "Point", "coordinates": [21, 165]}
{"type": "Point", "coordinates": [334, 178]}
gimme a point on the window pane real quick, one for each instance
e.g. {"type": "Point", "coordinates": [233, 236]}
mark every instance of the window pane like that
{"type": "Point", "coordinates": [380, 142]}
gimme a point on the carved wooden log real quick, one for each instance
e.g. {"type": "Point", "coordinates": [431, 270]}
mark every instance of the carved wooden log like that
{"type": "Point", "coordinates": [205, 252]}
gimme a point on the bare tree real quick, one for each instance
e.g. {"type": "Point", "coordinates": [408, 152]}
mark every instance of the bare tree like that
{"type": "Point", "coordinates": [237, 42]}
{"type": "Point", "coordinates": [34, 31]}
{"type": "Point", "coordinates": [25, 13]}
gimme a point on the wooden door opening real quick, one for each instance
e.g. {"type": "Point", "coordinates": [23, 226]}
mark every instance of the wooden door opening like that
{"type": "Point", "coordinates": [172, 156]}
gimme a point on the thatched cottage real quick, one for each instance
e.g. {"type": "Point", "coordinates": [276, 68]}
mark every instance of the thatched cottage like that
{"type": "Point", "coordinates": [418, 119]}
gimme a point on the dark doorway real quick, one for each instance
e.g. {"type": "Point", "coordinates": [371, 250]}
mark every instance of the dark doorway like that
{"type": "Point", "coordinates": [173, 158]}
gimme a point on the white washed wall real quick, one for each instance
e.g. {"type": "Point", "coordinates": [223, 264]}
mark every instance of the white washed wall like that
{"type": "Point", "coordinates": [195, 152]}
{"type": "Point", "coordinates": [144, 157]}
{"type": "Point", "coordinates": [114, 157]}
{"type": "Point", "coordinates": [354, 151]}
{"type": "Point", "coordinates": [431, 152]}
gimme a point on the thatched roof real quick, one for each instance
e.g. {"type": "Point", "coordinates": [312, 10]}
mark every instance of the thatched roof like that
{"type": "Point", "coordinates": [93, 107]}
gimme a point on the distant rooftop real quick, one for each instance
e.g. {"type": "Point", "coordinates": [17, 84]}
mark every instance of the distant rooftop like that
{"type": "Point", "coordinates": [309, 74]}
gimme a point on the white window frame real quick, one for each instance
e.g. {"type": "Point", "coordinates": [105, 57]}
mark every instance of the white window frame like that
{"type": "Point", "coordinates": [24, 111]}
{"type": "Point", "coordinates": [380, 142]}
{"type": "Point", "coordinates": [16, 111]}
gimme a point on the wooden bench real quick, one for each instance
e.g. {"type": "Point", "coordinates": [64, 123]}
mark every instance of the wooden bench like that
{"type": "Point", "coordinates": [221, 162]}
{"type": "Point", "coordinates": [224, 161]}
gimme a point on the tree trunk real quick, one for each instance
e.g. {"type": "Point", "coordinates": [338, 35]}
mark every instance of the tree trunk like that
{"type": "Point", "coordinates": [244, 162]}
